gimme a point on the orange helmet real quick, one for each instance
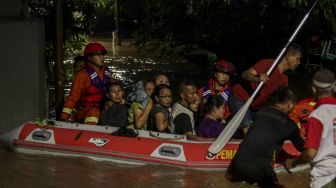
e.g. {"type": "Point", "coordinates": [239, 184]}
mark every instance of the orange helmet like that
{"type": "Point", "coordinates": [94, 48]}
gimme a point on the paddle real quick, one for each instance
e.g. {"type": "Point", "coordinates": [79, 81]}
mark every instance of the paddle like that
{"type": "Point", "coordinates": [232, 126]}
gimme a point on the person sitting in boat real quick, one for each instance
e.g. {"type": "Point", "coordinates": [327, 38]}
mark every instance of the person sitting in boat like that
{"type": "Point", "coordinates": [251, 78]}
{"type": "Point", "coordinates": [211, 125]}
{"type": "Point", "coordinates": [141, 104]}
{"type": "Point", "coordinates": [263, 142]}
{"type": "Point", "coordinates": [219, 84]}
{"type": "Point", "coordinates": [182, 120]}
{"type": "Point", "coordinates": [114, 110]}
{"type": "Point", "coordinates": [161, 111]}
{"type": "Point", "coordinates": [161, 78]}
{"type": "Point", "coordinates": [88, 87]}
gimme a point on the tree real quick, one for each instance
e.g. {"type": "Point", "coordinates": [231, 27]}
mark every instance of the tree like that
{"type": "Point", "coordinates": [234, 29]}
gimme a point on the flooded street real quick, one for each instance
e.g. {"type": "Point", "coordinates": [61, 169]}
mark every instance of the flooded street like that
{"type": "Point", "coordinates": [23, 170]}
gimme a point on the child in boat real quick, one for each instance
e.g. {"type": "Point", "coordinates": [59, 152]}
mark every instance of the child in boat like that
{"type": "Point", "coordinates": [258, 151]}
{"type": "Point", "coordinates": [141, 104]}
{"type": "Point", "coordinates": [160, 113]}
{"type": "Point", "coordinates": [114, 112]}
{"type": "Point", "coordinates": [210, 126]}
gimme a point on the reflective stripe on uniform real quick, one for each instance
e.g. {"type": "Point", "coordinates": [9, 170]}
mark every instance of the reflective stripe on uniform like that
{"type": "Point", "coordinates": [91, 119]}
{"type": "Point", "coordinates": [67, 110]}
{"type": "Point", "coordinates": [312, 103]}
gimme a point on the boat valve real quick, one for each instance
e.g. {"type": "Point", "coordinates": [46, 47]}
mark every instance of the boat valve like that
{"type": "Point", "coordinates": [210, 156]}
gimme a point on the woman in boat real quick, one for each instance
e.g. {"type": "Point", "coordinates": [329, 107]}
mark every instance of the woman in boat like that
{"type": "Point", "coordinates": [161, 78]}
{"type": "Point", "coordinates": [114, 110]}
{"type": "Point", "coordinates": [141, 104]}
{"type": "Point", "coordinates": [160, 113]}
{"type": "Point", "coordinates": [210, 126]}
{"type": "Point", "coordinates": [264, 140]}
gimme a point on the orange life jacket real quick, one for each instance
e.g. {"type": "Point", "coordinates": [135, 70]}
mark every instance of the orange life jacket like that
{"type": "Point", "coordinates": [93, 95]}
{"type": "Point", "coordinates": [301, 113]}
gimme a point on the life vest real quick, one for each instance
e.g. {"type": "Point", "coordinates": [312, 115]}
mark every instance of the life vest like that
{"type": "Point", "coordinates": [225, 93]}
{"type": "Point", "coordinates": [301, 113]}
{"type": "Point", "coordinates": [207, 92]}
{"type": "Point", "coordinates": [92, 96]}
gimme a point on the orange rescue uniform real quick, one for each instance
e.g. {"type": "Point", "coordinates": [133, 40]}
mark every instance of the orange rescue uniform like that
{"type": "Point", "coordinates": [301, 113]}
{"type": "Point", "coordinates": [85, 96]}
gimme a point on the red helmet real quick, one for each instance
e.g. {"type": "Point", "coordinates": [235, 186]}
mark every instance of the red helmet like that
{"type": "Point", "coordinates": [224, 66]}
{"type": "Point", "coordinates": [94, 48]}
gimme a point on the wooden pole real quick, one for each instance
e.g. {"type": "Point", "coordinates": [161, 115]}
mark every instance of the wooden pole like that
{"type": "Point", "coordinates": [116, 21]}
{"type": "Point", "coordinates": [59, 67]}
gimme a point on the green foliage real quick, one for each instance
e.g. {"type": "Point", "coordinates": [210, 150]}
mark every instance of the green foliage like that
{"type": "Point", "coordinates": [229, 28]}
{"type": "Point", "coordinates": [78, 20]}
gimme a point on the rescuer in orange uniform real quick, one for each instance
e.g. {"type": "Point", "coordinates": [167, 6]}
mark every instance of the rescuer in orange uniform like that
{"type": "Point", "coordinates": [301, 113]}
{"type": "Point", "coordinates": [88, 88]}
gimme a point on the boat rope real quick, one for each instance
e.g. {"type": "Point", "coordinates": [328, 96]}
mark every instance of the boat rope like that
{"type": "Point", "coordinates": [157, 135]}
{"type": "Point", "coordinates": [45, 123]}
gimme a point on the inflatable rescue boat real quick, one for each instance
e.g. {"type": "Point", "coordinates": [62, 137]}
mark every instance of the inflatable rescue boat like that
{"type": "Point", "coordinates": [97, 142]}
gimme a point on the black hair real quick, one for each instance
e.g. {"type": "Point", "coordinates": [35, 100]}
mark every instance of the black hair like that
{"type": "Point", "coordinates": [184, 84]}
{"type": "Point", "coordinates": [211, 102]}
{"type": "Point", "coordinates": [160, 87]}
{"type": "Point", "coordinates": [111, 84]}
{"type": "Point", "coordinates": [108, 87]}
{"type": "Point", "coordinates": [293, 49]}
{"type": "Point", "coordinates": [283, 95]}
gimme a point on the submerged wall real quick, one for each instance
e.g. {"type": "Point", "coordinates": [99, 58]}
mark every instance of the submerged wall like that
{"type": "Point", "coordinates": [22, 77]}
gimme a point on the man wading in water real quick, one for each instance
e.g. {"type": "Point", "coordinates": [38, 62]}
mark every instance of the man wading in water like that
{"type": "Point", "coordinates": [320, 143]}
{"type": "Point", "coordinates": [257, 152]}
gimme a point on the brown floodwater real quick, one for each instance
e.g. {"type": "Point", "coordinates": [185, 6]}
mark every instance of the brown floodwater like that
{"type": "Point", "coordinates": [26, 170]}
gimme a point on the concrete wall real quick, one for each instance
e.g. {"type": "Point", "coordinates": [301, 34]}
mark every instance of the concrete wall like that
{"type": "Point", "coordinates": [22, 77]}
{"type": "Point", "coordinates": [10, 7]}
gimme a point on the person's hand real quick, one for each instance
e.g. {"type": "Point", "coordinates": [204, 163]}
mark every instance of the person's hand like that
{"type": "Point", "coordinates": [289, 164]}
{"type": "Point", "coordinates": [65, 117]}
{"type": "Point", "coordinates": [149, 103]}
{"type": "Point", "coordinates": [263, 77]}
{"type": "Point", "coordinates": [108, 105]}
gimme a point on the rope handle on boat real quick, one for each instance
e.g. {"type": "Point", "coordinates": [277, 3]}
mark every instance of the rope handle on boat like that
{"type": "Point", "coordinates": [157, 135]}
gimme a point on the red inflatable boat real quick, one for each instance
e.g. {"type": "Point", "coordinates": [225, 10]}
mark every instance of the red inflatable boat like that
{"type": "Point", "coordinates": [71, 139]}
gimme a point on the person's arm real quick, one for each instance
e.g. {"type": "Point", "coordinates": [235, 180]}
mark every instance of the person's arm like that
{"type": "Point", "coordinates": [191, 136]}
{"type": "Point", "coordinates": [251, 75]}
{"type": "Point", "coordinates": [77, 87]}
{"type": "Point", "coordinates": [141, 116]}
{"type": "Point", "coordinates": [184, 126]}
{"type": "Point", "coordinates": [312, 143]}
{"type": "Point", "coordinates": [306, 156]}
{"type": "Point", "coordinates": [295, 137]}
{"type": "Point", "coordinates": [161, 122]}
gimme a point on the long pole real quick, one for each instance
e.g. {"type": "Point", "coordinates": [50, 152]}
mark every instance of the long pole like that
{"type": "Point", "coordinates": [232, 126]}
{"type": "Point", "coordinates": [59, 67]}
